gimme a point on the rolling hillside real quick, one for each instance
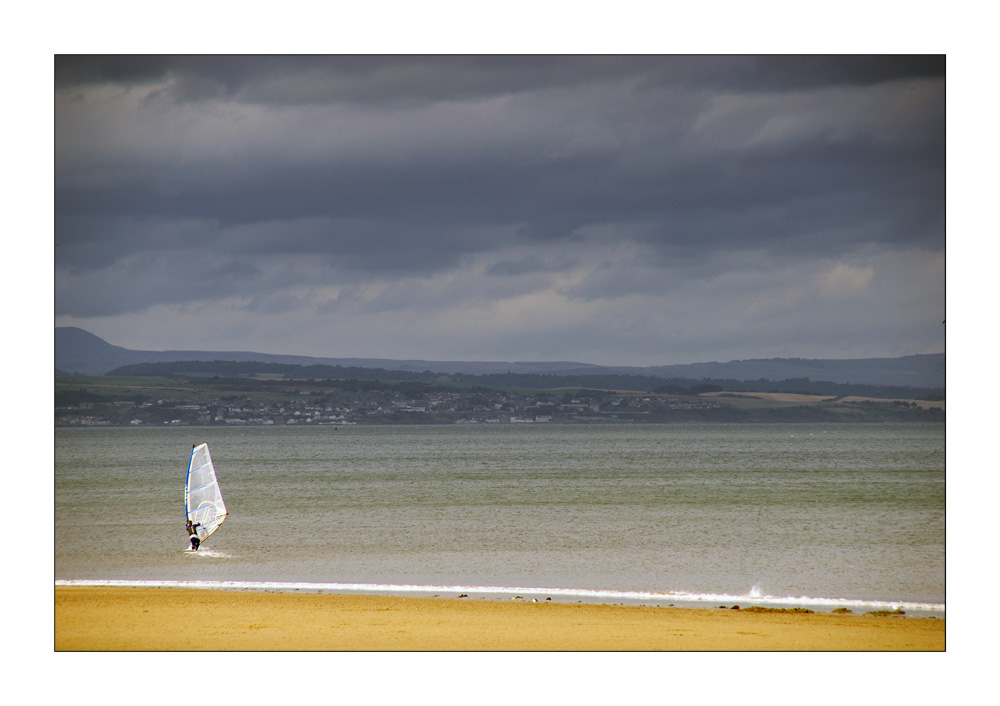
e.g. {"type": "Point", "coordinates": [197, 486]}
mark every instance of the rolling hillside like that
{"type": "Point", "coordinates": [79, 351]}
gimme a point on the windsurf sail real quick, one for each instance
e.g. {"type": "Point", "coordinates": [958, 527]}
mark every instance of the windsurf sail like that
{"type": "Point", "coordinates": [202, 497]}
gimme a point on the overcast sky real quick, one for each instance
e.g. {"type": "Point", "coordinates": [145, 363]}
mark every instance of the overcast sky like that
{"type": "Point", "coordinates": [637, 210]}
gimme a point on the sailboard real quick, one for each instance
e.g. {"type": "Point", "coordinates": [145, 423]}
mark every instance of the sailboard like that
{"type": "Point", "coordinates": [202, 498]}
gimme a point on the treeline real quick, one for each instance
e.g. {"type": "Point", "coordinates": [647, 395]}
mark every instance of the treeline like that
{"type": "Point", "coordinates": [231, 368]}
{"type": "Point", "coordinates": [635, 383]}
{"type": "Point", "coordinates": [803, 386]}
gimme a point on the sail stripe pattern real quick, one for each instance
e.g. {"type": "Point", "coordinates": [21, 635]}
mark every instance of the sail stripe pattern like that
{"type": "Point", "coordinates": [203, 501]}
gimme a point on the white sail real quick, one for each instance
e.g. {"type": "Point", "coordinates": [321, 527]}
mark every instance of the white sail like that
{"type": "Point", "coordinates": [202, 497]}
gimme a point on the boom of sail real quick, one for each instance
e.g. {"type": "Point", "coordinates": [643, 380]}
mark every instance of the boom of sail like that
{"type": "Point", "coordinates": [202, 497]}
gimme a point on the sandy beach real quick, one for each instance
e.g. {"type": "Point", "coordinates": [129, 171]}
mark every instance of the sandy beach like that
{"type": "Point", "coordinates": [163, 619]}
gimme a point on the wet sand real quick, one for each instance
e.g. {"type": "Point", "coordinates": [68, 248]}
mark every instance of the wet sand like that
{"type": "Point", "coordinates": [167, 619]}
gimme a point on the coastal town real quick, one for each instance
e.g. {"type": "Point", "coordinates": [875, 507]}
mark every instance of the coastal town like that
{"type": "Point", "coordinates": [344, 403]}
{"type": "Point", "coordinates": [387, 406]}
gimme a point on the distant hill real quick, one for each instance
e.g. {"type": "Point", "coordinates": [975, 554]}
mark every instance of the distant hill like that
{"type": "Point", "coordinates": [79, 351]}
{"type": "Point", "coordinates": [906, 371]}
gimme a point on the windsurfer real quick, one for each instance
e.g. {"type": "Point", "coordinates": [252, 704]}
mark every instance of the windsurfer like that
{"type": "Point", "coordinates": [193, 531]}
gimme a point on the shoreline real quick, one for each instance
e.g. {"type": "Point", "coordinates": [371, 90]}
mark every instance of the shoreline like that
{"type": "Point", "coordinates": [142, 618]}
{"type": "Point", "coordinates": [576, 595]}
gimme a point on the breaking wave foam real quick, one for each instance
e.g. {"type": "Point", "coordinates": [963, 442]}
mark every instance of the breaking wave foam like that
{"type": "Point", "coordinates": [753, 596]}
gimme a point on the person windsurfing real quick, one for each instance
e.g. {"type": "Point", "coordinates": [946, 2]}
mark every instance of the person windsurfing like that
{"type": "Point", "coordinates": [193, 531]}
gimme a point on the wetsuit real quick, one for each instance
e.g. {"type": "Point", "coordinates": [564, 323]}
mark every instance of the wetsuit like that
{"type": "Point", "coordinates": [193, 531]}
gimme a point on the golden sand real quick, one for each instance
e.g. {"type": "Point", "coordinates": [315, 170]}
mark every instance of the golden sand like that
{"type": "Point", "coordinates": [163, 619]}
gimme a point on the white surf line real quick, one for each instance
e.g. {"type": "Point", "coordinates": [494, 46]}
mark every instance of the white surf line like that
{"type": "Point", "coordinates": [659, 597]}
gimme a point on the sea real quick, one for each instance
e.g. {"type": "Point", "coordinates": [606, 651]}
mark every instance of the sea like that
{"type": "Point", "coordinates": [821, 516]}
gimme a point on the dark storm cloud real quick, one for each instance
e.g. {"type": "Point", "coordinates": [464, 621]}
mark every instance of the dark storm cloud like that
{"type": "Point", "coordinates": [300, 181]}
{"type": "Point", "coordinates": [784, 73]}
{"type": "Point", "coordinates": [391, 79]}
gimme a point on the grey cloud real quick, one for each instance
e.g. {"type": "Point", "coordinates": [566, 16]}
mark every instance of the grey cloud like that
{"type": "Point", "coordinates": [404, 79]}
{"type": "Point", "coordinates": [187, 179]}
{"type": "Point", "coordinates": [791, 72]}
{"type": "Point", "coordinates": [529, 264]}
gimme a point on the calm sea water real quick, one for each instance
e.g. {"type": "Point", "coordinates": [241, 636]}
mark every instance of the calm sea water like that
{"type": "Point", "coordinates": [817, 515]}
